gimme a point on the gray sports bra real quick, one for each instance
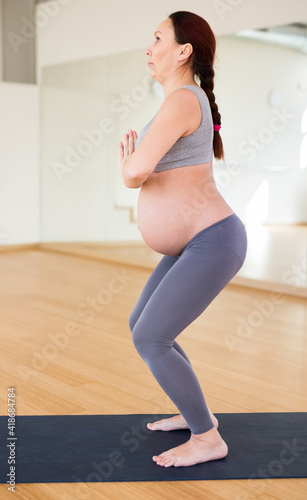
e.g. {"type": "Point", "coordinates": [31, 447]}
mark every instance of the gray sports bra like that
{"type": "Point", "coordinates": [192, 149]}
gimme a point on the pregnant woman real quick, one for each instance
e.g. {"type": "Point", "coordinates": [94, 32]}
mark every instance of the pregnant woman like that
{"type": "Point", "coordinates": [181, 215]}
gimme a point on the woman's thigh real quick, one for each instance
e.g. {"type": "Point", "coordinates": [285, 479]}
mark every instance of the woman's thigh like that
{"type": "Point", "coordinates": [153, 281]}
{"type": "Point", "coordinates": [198, 275]}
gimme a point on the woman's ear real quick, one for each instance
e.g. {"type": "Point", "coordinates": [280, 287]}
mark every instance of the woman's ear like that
{"type": "Point", "coordinates": [185, 52]}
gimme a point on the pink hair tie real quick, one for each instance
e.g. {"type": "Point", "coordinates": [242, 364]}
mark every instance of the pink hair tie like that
{"type": "Point", "coordinates": [217, 127]}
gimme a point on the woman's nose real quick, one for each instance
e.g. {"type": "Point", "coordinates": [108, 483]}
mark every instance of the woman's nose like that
{"type": "Point", "coordinates": [148, 51]}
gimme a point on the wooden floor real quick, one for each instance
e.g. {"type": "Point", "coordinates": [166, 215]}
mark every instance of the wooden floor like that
{"type": "Point", "coordinates": [97, 370]}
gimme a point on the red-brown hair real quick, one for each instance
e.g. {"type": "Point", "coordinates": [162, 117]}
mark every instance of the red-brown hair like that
{"type": "Point", "coordinates": [193, 29]}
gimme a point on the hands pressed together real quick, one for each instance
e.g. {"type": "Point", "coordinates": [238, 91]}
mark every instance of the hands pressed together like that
{"type": "Point", "coordinates": [126, 148]}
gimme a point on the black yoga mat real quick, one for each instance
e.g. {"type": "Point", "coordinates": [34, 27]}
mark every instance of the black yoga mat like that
{"type": "Point", "coordinates": [87, 448]}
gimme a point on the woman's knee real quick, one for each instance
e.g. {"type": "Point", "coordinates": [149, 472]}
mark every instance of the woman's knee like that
{"type": "Point", "coordinates": [148, 341]}
{"type": "Point", "coordinates": [141, 344]}
{"type": "Point", "coordinates": [134, 316]}
{"type": "Point", "coordinates": [131, 323]}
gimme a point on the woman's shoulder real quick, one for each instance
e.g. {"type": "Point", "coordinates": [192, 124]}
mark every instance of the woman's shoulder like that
{"type": "Point", "coordinates": [183, 100]}
{"type": "Point", "coordinates": [187, 91]}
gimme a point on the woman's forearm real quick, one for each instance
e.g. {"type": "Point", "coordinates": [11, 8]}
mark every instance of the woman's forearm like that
{"type": "Point", "coordinates": [127, 173]}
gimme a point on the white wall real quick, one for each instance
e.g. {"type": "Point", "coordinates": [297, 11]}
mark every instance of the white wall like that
{"type": "Point", "coordinates": [81, 29]}
{"type": "Point", "coordinates": [70, 30]}
{"type": "Point", "coordinates": [19, 163]}
{"type": "Point", "coordinates": [78, 174]}
{"type": "Point", "coordinates": [19, 131]}
{"type": "Point", "coordinates": [1, 42]}
{"type": "Point", "coordinates": [247, 72]}
{"type": "Point", "coordinates": [87, 202]}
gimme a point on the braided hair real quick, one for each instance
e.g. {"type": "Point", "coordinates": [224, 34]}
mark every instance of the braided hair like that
{"type": "Point", "coordinates": [193, 29]}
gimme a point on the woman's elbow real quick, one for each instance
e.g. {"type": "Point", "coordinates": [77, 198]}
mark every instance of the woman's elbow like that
{"type": "Point", "coordinates": [133, 178]}
{"type": "Point", "coordinates": [133, 182]}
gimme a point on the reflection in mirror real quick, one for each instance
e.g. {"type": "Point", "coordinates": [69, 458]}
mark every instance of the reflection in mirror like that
{"type": "Point", "coordinates": [261, 91]}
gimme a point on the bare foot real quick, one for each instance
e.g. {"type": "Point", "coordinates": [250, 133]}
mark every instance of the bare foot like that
{"type": "Point", "coordinates": [200, 448]}
{"type": "Point", "coordinates": [176, 423]}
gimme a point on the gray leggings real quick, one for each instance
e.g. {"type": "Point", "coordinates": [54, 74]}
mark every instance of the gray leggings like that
{"type": "Point", "coordinates": [176, 293]}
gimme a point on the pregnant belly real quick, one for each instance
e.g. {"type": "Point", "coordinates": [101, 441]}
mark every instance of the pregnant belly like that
{"type": "Point", "coordinates": [171, 210]}
{"type": "Point", "coordinates": [161, 231]}
{"type": "Point", "coordinates": [160, 226]}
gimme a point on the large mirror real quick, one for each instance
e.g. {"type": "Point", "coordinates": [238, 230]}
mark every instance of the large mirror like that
{"type": "Point", "coordinates": [261, 90]}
